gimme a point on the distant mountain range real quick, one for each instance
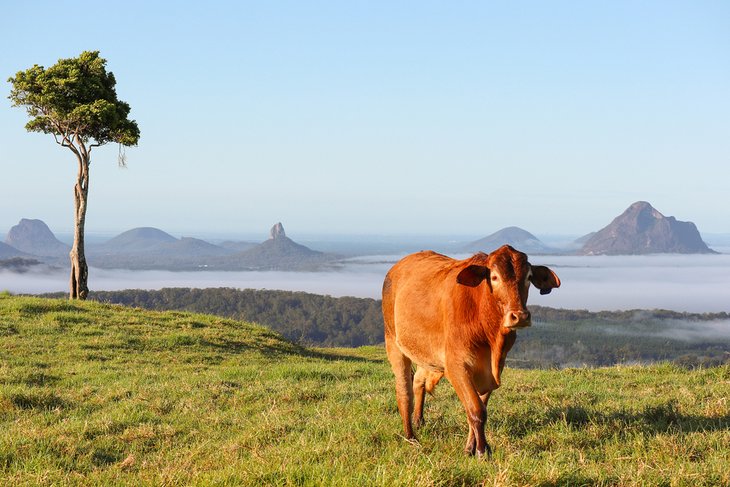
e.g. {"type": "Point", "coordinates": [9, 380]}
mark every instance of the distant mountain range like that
{"type": "Point", "coordinates": [640, 229]}
{"type": "Point", "coordinates": [152, 248]}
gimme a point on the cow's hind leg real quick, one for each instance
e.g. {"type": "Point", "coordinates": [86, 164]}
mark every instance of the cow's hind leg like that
{"type": "Point", "coordinates": [419, 392]}
{"type": "Point", "coordinates": [424, 381]}
{"type": "Point", "coordinates": [401, 366]}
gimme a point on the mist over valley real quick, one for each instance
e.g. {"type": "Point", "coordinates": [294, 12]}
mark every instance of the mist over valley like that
{"type": "Point", "coordinates": [693, 283]}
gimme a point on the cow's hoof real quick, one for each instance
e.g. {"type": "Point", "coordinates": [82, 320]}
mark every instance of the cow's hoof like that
{"type": "Point", "coordinates": [412, 440]}
{"type": "Point", "coordinates": [486, 454]}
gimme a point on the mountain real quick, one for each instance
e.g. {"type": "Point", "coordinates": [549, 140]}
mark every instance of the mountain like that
{"type": "Point", "coordinates": [516, 237]}
{"type": "Point", "coordinates": [34, 237]}
{"type": "Point", "coordinates": [140, 239]}
{"type": "Point", "coordinates": [278, 252]}
{"type": "Point", "coordinates": [194, 247]}
{"type": "Point", "coordinates": [237, 245]}
{"type": "Point", "coordinates": [582, 240]}
{"type": "Point", "coordinates": [641, 229]}
{"type": "Point", "coordinates": [151, 248]}
{"type": "Point", "coordinates": [8, 251]}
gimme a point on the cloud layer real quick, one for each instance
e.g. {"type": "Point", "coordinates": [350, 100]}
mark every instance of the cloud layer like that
{"type": "Point", "coordinates": [695, 283]}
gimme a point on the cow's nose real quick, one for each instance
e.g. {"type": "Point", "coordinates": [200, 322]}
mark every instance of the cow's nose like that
{"type": "Point", "coordinates": [518, 318]}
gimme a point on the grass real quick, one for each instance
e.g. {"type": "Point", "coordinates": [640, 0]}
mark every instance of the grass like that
{"type": "Point", "coordinates": [94, 394]}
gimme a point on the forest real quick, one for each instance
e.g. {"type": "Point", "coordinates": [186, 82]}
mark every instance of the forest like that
{"type": "Point", "coordinates": [557, 338]}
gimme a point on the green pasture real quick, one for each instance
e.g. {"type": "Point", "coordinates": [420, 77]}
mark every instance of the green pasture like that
{"type": "Point", "coordinates": [94, 394]}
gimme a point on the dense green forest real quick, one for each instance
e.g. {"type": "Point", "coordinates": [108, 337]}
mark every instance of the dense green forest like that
{"type": "Point", "coordinates": [558, 337]}
{"type": "Point", "coordinates": [309, 319]}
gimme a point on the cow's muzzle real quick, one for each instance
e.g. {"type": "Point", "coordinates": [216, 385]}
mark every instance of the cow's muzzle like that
{"type": "Point", "coordinates": [517, 319]}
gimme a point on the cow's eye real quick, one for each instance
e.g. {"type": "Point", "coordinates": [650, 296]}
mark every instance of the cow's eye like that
{"type": "Point", "coordinates": [495, 278]}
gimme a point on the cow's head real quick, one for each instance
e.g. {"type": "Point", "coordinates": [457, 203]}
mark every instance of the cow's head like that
{"type": "Point", "coordinates": [508, 275]}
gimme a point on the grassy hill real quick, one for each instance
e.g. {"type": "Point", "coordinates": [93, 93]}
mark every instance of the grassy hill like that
{"type": "Point", "coordinates": [94, 394]}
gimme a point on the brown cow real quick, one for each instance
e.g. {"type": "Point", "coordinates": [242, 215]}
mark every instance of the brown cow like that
{"type": "Point", "coordinates": [456, 318]}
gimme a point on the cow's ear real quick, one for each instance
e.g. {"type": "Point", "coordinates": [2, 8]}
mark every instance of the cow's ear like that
{"type": "Point", "coordinates": [544, 279]}
{"type": "Point", "coordinates": [472, 275]}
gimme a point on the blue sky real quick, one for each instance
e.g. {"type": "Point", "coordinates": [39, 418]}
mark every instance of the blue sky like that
{"type": "Point", "coordinates": [439, 118]}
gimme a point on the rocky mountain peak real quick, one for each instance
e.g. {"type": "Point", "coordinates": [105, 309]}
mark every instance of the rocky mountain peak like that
{"type": "Point", "coordinates": [277, 232]}
{"type": "Point", "coordinates": [34, 237]}
{"type": "Point", "coordinates": [642, 229]}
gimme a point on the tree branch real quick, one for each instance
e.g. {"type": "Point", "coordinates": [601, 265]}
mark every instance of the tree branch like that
{"type": "Point", "coordinates": [66, 142]}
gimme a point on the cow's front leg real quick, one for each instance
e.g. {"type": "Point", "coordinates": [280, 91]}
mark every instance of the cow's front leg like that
{"type": "Point", "coordinates": [401, 366]}
{"type": "Point", "coordinates": [476, 412]}
{"type": "Point", "coordinates": [471, 443]}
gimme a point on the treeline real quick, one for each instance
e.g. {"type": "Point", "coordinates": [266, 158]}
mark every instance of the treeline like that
{"type": "Point", "coordinates": [309, 319]}
{"type": "Point", "coordinates": [621, 316]}
{"type": "Point", "coordinates": [18, 264]}
{"type": "Point", "coordinates": [558, 337]}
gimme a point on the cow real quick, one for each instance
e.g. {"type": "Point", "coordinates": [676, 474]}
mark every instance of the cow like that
{"type": "Point", "coordinates": [458, 319]}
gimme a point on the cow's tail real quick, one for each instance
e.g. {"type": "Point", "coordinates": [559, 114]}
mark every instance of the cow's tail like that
{"type": "Point", "coordinates": [388, 306]}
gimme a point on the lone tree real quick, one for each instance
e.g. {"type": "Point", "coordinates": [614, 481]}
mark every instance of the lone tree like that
{"type": "Point", "coordinates": [75, 101]}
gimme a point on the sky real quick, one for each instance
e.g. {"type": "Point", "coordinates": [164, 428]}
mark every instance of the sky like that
{"type": "Point", "coordinates": [381, 117]}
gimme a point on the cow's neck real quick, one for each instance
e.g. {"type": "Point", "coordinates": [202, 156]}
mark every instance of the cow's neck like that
{"type": "Point", "coordinates": [499, 339]}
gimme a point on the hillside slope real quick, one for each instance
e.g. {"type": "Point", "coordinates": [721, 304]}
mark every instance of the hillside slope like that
{"type": "Point", "coordinates": [94, 394]}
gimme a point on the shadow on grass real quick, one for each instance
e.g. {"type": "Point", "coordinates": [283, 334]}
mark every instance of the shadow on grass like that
{"type": "Point", "coordinates": [660, 418]}
{"type": "Point", "coordinates": [40, 400]}
{"type": "Point", "coordinates": [336, 357]}
{"type": "Point", "coordinates": [569, 478]}
{"type": "Point", "coordinates": [281, 349]}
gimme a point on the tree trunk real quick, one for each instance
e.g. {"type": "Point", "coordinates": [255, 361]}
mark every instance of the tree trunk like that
{"type": "Point", "coordinates": [79, 269]}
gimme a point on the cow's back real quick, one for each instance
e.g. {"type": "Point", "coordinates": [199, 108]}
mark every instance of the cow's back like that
{"type": "Point", "coordinates": [417, 293]}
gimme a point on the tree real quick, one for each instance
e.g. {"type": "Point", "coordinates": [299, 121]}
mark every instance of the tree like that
{"type": "Point", "coordinates": [75, 101]}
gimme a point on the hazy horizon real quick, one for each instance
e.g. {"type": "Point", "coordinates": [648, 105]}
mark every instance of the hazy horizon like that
{"type": "Point", "coordinates": [556, 239]}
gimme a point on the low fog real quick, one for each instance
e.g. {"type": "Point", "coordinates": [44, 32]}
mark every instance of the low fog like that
{"type": "Point", "coordinates": [682, 330]}
{"type": "Point", "coordinates": [693, 283]}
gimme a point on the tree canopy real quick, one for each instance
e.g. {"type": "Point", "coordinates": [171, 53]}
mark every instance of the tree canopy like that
{"type": "Point", "coordinates": [74, 100]}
